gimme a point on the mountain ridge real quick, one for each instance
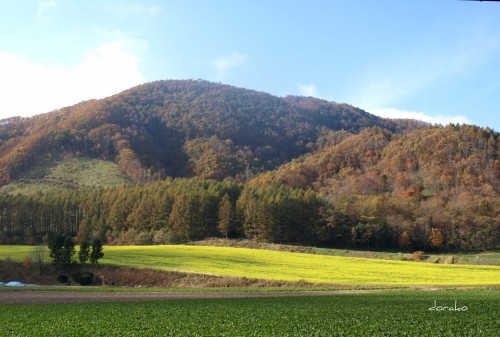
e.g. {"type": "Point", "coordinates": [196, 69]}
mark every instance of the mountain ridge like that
{"type": "Point", "coordinates": [256, 130]}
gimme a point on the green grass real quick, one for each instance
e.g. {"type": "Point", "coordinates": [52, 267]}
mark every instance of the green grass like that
{"type": "Point", "coordinates": [88, 172]}
{"type": "Point", "coordinates": [387, 314]}
{"type": "Point", "coordinates": [478, 258]}
{"type": "Point", "coordinates": [287, 266]}
{"type": "Point", "coordinates": [32, 188]}
{"type": "Point", "coordinates": [17, 252]}
{"type": "Point", "coordinates": [56, 174]}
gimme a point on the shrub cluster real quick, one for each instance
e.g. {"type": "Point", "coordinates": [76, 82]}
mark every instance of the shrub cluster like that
{"type": "Point", "coordinates": [83, 278]}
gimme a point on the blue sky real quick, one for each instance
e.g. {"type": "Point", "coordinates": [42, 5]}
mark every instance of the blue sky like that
{"type": "Point", "coordinates": [436, 60]}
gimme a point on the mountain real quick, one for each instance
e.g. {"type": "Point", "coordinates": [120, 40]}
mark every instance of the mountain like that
{"type": "Point", "coordinates": [176, 161]}
{"type": "Point", "coordinates": [181, 129]}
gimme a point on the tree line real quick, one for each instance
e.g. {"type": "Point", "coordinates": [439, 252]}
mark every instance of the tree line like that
{"type": "Point", "coordinates": [182, 210]}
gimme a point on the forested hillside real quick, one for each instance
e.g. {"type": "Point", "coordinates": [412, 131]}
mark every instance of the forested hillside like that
{"type": "Point", "coordinates": [181, 129]}
{"type": "Point", "coordinates": [199, 159]}
{"type": "Point", "coordinates": [435, 187]}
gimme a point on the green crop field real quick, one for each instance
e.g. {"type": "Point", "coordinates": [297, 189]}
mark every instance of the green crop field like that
{"type": "Point", "coordinates": [402, 313]}
{"type": "Point", "coordinates": [275, 265]}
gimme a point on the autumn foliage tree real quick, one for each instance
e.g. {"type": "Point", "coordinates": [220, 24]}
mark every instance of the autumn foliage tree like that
{"type": "Point", "coordinates": [437, 238]}
{"type": "Point", "coordinates": [226, 216]}
{"type": "Point", "coordinates": [404, 240]}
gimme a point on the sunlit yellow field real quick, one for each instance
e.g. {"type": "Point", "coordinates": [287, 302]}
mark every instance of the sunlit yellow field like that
{"type": "Point", "coordinates": [275, 265]}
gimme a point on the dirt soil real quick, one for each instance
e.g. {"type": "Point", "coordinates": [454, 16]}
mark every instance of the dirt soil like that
{"type": "Point", "coordinates": [46, 297]}
{"type": "Point", "coordinates": [133, 277]}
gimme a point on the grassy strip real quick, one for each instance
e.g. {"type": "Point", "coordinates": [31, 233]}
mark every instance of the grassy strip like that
{"type": "Point", "coordinates": [196, 290]}
{"type": "Point", "coordinates": [475, 258]}
{"type": "Point", "coordinates": [401, 313]}
{"type": "Point", "coordinates": [18, 252]}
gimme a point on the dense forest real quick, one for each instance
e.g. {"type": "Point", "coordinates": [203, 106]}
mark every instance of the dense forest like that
{"type": "Point", "coordinates": [209, 159]}
{"type": "Point", "coordinates": [434, 183]}
{"type": "Point", "coordinates": [182, 129]}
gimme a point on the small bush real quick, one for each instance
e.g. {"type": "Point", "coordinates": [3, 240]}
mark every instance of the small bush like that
{"type": "Point", "coordinates": [9, 266]}
{"type": "Point", "coordinates": [417, 256]}
{"type": "Point", "coordinates": [160, 237]}
{"type": "Point", "coordinates": [63, 279]}
{"type": "Point", "coordinates": [83, 278]}
{"type": "Point", "coordinates": [449, 259]}
{"type": "Point", "coordinates": [144, 238]}
{"type": "Point", "coordinates": [400, 257]}
{"type": "Point", "coordinates": [27, 262]}
{"type": "Point", "coordinates": [434, 259]}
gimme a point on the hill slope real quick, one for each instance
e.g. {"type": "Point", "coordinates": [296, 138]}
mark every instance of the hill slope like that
{"type": "Point", "coordinates": [181, 128]}
{"type": "Point", "coordinates": [432, 187]}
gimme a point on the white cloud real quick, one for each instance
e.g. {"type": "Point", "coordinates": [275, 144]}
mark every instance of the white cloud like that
{"type": "Point", "coordinates": [433, 119]}
{"type": "Point", "coordinates": [126, 11]}
{"type": "Point", "coordinates": [308, 90]}
{"type": "Point", "coordinates": [224, 64]}
{"type": "Point", "coordinates": [44, 7]}
{"type": "Point", "coordinates": [28, 88]}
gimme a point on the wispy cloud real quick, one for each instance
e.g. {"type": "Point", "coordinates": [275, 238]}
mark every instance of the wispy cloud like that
{"type": "Point", "coordinates": [308, 90]}
{"type": "Point", "coordinates": [131, 10]}
{"type": "Point", "coordinates": [29, 88]}
{"type": "Point", "coordinates": [224, 64]}
{"type": "Point", "coordinates": [433, 119]}
{"type": "Point", "coordinates": [44, 7]}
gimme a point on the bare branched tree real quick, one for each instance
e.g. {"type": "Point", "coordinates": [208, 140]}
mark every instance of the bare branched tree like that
{"type": "Point", "coordinates": [38, 255]}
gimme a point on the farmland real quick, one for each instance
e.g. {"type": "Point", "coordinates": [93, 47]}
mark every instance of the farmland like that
{"type": "Point", "coordinates": [288, 266]}
{"type": "Point", "coordinates": [114, 311]}
{"type": "Point", "coordinates": [384, 314]}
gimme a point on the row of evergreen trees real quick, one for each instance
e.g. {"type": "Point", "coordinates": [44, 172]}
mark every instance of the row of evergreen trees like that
{"type": "Point", "coordinates": [62, 250]}
{"type": "Point", "coordinates": [182, 210]}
